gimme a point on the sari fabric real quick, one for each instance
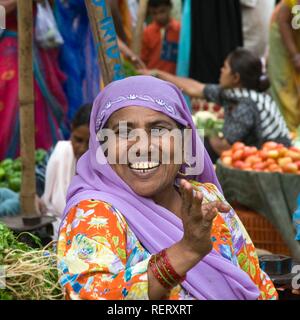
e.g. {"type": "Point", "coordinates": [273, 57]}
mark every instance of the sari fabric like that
{"type": "Point", "coordinates": [96, 237]}
{"type": "Point", "coordinates": [50, 100]}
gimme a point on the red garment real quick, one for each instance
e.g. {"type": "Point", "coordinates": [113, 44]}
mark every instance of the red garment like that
{"type": "Point", "coordinates": [152, 46]}
{"type": "Point", "coordinates": [12, 21]}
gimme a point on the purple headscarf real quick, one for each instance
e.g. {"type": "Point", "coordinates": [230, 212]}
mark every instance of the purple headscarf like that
{"type": "Point", "coordinates": [156, 227]}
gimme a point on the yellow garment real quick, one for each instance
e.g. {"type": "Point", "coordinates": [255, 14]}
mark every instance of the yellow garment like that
{"type": "Point", "coordinates": [290, 3]}
{"type": "Point", "coordinates": [285, 81]}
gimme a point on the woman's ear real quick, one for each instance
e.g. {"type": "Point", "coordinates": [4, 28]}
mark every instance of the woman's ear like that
{"type": "Point", "coordinates": [236, 79]}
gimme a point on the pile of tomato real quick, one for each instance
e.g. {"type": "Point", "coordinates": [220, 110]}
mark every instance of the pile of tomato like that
{"type": "Point", "coordinates": [272, 157]}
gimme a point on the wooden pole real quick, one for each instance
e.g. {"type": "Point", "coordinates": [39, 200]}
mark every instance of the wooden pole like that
{"type": "Point", "coordinates": [105, 39]}
{"type": "Point", "coordinates": [26, 101]}
{"type": "Point", "coordinates": [137, 39]}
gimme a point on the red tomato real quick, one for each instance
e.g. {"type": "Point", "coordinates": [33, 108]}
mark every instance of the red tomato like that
{"type": "Point", "coordinates": [284, 161]}
{"type": "Point", "coordinates": [237, 155]}
{"type": "Point", "coordinates": [239, 164]}
{"type": "Point", "coordinates": [237, 146]}
{"type": "Point", "coordinates": [249, 151]}
{"type": "Point", "coordinates": [294, 155]}
{"type": "Point", "coordinates": [253, 159]}
{"type": "Point", "coordinates": [227, 153]}
{"type": "Point", "coordinates": [263, 154]}
{"type": "Point", "coordinates": [283, 152]}
{"type": "Point", "coordinates": [270, 161]}
{"type": "Point", "coordinates": [290, 168]}
{"type": "Point", "coordinates": [259, 166]}
{"type": "Point", "coordinates": [298, 164]}
{"type": "Point", "coordinates": [274, 168]}
{"type": "Point", "coordinates": [227, 161]}
{"type": "Point", "coordinates": [295, 149]}
{"type": "Point", "coordinates": [270, 145]}
{"type": "Point", "coordinates": [273, 154]}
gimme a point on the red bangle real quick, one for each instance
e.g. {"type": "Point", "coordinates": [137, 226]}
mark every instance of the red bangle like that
{"type": "Point", "coordinates": [157, 272]}
{"type": "Point", "coordinates": [172, 273]}
{"type": "Point", "coordinates": [163, 270]}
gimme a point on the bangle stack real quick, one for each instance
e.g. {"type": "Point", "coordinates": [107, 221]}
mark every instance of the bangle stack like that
{"type": "Point", "coordinates": [163, 271]}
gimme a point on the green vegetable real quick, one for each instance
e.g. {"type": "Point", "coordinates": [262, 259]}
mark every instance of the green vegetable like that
{"type": "Point", "coordinates": [14, 183]}
{"type": "Point", "coordinates": [40, 155]}
{"type": "Point", "coordinates": [17, 165]}
{"type": "Point", "coordinates": [11, 170]}
{"type": "Point", "coordinates": [211, 125]}
{"type": "Point", "coordinates": [30, 274]}
{"type": "Point", "coordinates": [6, 164]}
{"type": "Point", "coordinates": [2, 174]}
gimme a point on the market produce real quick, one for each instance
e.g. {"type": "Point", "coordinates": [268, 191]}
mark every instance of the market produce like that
{"type": "Point", "coordinates": [209, 122]}
{"type": "Point", "coordinates": [10, 170]}
{"type": "Point", "coordinates": [273, 157]}
{"type": "Point", "coordinates": [27, 273]}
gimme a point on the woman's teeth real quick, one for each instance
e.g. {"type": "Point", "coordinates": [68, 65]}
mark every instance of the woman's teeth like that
{"type": "Point", "coordinates": [144, 165]}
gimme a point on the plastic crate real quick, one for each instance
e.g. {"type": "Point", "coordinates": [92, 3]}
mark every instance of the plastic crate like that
{"type": "Point", "coordinates": [261, 231]}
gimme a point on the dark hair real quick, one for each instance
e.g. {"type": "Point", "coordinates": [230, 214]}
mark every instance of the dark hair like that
{"type": "Point", "coordinates": [250, 69]}
{"type": "Point", "coordinates": [158, 3]}
{"type": "Point", "coordinates": [82, 116]}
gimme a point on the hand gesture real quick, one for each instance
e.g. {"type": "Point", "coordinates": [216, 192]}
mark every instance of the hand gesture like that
{"type": "Point", "coordinates": [197, 219]}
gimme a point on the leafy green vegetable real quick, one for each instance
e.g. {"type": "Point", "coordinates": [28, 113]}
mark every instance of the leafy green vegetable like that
{"type": "Point", "coordinates": [11, 170]}
{"type": "Point", "coordinates": [29, 273]}
{"type": "Point", "coordinates": [2, 174]}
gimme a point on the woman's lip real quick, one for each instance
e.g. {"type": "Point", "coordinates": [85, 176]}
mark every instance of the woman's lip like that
{"type": "Point", "coordinates": [141, 174]}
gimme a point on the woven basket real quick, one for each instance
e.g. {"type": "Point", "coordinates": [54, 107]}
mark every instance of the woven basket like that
{"type": "Point", "coordinates": [261, 231]}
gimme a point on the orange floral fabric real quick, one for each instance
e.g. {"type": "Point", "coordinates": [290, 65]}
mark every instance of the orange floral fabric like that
{"type": "Point", "coordinates": [101, 258]}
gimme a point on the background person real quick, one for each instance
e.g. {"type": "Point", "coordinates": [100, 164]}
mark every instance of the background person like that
{"type": "Point", "coordinates": [251, 116]}
{"type": "Point", "coordinates": [160, 37]}
{"type": "Point", "coordinates": [61, 165]}
{"type": "Point", "coordinates": [284, 63]}
{"type": "Point", "coordinates": [50, 102]}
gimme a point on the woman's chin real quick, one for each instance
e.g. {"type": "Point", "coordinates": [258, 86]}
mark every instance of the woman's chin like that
{"type": "Point", "coordinates": [147, 190]}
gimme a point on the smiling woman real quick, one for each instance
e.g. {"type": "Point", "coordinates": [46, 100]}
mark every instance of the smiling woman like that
{"type": "Point", "coordinates": [135, 230]}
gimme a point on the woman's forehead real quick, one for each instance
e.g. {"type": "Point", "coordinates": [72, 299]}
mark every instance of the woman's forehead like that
{"type": "Point", "coordinates": [137, 114]}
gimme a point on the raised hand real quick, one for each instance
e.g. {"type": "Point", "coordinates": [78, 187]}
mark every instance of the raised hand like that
{"type": "Point", "coordinates": [197, 219]}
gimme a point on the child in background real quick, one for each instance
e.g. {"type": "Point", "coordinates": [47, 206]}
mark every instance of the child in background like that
{"type": "Point", "coordinates": [59, 172]}
{"type": "Point", "coordinates": [61, 166]}
{"type": "Point", "coordinates": [161, 37]}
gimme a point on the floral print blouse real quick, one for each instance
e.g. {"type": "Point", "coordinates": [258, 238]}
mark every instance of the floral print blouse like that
{"type": "Point", "coordinates": [101, 258]}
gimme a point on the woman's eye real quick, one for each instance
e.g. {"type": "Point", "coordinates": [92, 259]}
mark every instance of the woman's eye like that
{"type": "Point", "coordinates": [78, 140]}
{"type": "Point", "coordinates": [123, 133]}
{"type": "Point", "coordinates": [158, 132]}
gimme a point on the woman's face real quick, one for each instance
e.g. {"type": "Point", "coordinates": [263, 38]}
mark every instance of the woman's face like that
{"type": "Point", "coordinates": [228, 79]}
{"type": "Point", "coordinates": [161, 14]}
{"type": "Point", "coordinates": [80, 140]}
{"type": "Point", "coordinates": [145, 175]}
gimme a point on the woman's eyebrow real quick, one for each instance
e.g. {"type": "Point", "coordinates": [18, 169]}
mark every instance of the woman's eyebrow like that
{"type": "Point", "coordinates": [160, 122]}
{"type": "Point", "coordinates": [121, 124]}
